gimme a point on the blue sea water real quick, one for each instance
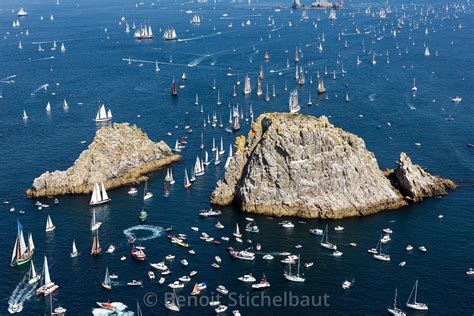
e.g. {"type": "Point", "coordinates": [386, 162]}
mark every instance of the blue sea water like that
{"type": "Point", "coordinates": [92, 70]}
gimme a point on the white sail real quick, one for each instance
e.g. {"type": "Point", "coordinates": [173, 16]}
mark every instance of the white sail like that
{"type": "Point", "coordinates": [109, 114]}
{"type": "Point", "coordinates": [14, 252]}
{"type": "Point", "coordinates": [74, 248]}
{"type": "Point", "coordinates": [105, 197]}
{"type": "Point", "coordinates": [102, 112]}
{"type": "Point", "coordinates": [31, 245]}
{"type": "Point", "coordinates": [47, 277]}
{"type": "Point", "coordinates": [48, 107]}
{"type": "Point", "coordinates": [49, 223]}
{"type": "Point", "coordinates": [32, 270]}
{"type": "Point", "coordinates": [94, 196]}
{"type": "Point", "coordinates": [65, 105]}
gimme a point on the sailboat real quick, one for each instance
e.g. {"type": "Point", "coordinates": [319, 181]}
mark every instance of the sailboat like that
{"type": "Point", "coordinates": [99, 195]}
{"type": "Point", "coordinates": [237, 233]}
{"type": "Point", "coordinates": [217, 160]}
{"type": "Point", "coordinates": [74, 253]}
{"type": "Point", "coordinates": [172, 181]}
{"type": "Point", "coordinates": [63, 48]}
{"type": "Point", "coordinates": [106, 284]}
{"type": "Point", "coordinates": [157, 67]}
{"type": "Point", "coordinates": [21, 252]}
{"type": "Point", "coordinates": [94, 224]}
{"type": "Point", "coordinates": [196, 290]}
{"type": "Point", "coordinates": [103, 115]}
{"type": "Point", "coordinates": [321, 88]}
{"type": "Point", "coordinates": [219, 102]}
{"type": "Point", "coordinates": [347, 97]}
{"type": "Point", "coordinates": [198, 167]}
{"type": "Point", "coordinates": [206, 159]}
{"type": "Point", "coordinates": [170, 34]}
{"type": "Point", "coordinates": [32, 276]}
{"type": "Point", "coordinates": [144, 32]}
{"type": "Point", "coordinates": [222, 150]}
{"type": "Point", "coordinates": [427, 51]}
{"type": "Point", "coordinates": [174, 88]}
{"type": "Point", "coordinates": [96, 250]}
{"type": "Point", "coordinates": [310, 102]}
{"type": "Point", "coordinates": [395, 310]}
{"type": "Point", "coordinates": [147, 195]}
{"type": "Point", "coordinates": [247, 88]}
{"type": "Point", "coordinates": [293, 103]}
{"type": "Point", "coordinates": [65, 105]}
{"type": "Point", "coordinates": [187, 184]}
{"type": "Point", "coordinates": [324, 241]}
{"type": "Point", "coordinates": [294, 277]}
{"type": "Point", "coordinates": [378, 254]}
{"type": "Point", "coordinates": [25, 116]}
{"type": "Point", "coordinates": [49, 225]}
{"type": "Point", "coordinates": [413, 304]}
{"type": "Point", "coordinates": [48, 107]}
{"type": "Point", "coordinates": [196, 102]}
{"type": "Point", "coordinates": [47, 286]}
{"type": "Point", "coordinates": [173, 304]}
{"type": "Point", "coordinates": [414, 89]}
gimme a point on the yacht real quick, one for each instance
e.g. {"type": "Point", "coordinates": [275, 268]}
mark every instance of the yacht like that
{"type": "Point", "coordinates": [290, 276]}
{"type": "Point", "coordinates": [247, 278]}
{"type": "Point", "coordinates": [103, 115]}
{"type": "Point", "coordinates": [170, 34]}
{"type": "Point", "coordinates": [412, 303]}
{"type": "Point", "coordinates": [395, 310]}
{"type": "Point", "coordinates": [324, 241]}
{"type": "Point", "coordinates": [22, 12]}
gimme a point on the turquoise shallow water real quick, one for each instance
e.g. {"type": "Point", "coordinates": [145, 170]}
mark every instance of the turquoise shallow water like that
{"type": "Point", "coordinates": [92, 70]}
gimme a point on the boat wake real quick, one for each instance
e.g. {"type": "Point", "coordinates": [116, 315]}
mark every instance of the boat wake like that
{"type": "Point", "coordinates": [154, 232]}
{"type": "Point", "coordinates": [9, 79]}
{"type": "Point", "coordinates": [372, 97]}
{"type": "Point", "coordinates": [45, 87]}
{"type": "Point", "coordinates": [22, 293]}
{"type": "Point", "coordinates": [198, 60]}
{"type": "Point", "coordinates": [45, 58]}
{"type": "Point", "coordinates": [198, 37]}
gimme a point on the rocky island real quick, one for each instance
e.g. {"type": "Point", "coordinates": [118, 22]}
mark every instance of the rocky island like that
{"type": "Point", "coordinates": [298, 165]}
{"type": "Point", "coordinates": [119, 155]}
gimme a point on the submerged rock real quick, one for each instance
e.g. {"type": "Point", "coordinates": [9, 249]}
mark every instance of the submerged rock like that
{"type": "Point", "coordinates": [297, 165]}
{"type": "Point", "coordinates": [119, 155]}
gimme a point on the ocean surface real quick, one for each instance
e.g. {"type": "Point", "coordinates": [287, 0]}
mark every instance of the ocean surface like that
{"type": "Point", "coordinates": [382, 111]}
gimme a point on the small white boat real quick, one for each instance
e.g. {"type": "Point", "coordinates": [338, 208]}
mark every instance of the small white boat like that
{"type": "Point", "coordinates": [422, 248]}
{"type": "Point", "coordinates": [247, 278]}
{"type": "Point", "coordinates": [402, 264]}
{"type": "Point", "coordinates": [221, 309]}
{"type": "Point", "coordinates": [222, 289]}
{"type": "Point", "coordinates": [132, 191]}
{"type": "Point", "coordinates": [409, 248]}
{"type": "Point", "coordinates": [268, 257]}
{"type": "Point", "coordinates": [338, 228]}
{"type": "Point", "coordinates": [346, 285]}
{"type": "Point", "coordinates": [111, 249]}
{"type": "Point", "coordinates": [470, 271]}
{"type": "Point", "coordinates": [308, 264]}
{"type": "Point", "coordinates": [151, 275]}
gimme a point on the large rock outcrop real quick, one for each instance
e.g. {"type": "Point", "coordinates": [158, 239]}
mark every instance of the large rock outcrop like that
{"type": "Point", "coordinates": [296, 165]}
{"type": "Point", "coordinates": [119, 155]}
{"type": "Point", "coordinates": [416, 183]}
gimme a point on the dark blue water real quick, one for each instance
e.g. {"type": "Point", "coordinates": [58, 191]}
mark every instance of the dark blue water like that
{"type": "Point", "coordinates": [92, 71]}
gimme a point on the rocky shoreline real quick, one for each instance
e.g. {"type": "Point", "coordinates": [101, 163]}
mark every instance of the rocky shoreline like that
{"type": "Point", "coordinates": [298, 165]}
{"type": "Point", "coordinates": [119, 155]}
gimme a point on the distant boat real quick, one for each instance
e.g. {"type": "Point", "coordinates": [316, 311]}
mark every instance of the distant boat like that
{"type": "Point", "coordinates": [99, 195]}
{"type": "Point", "coordinates": [427, 51]}
{"type": "Point", "coordinates": [196, 20]}
{"type": "Point", "coordinates": [94, 224]}
{"type": "Point", "coordinates": [247, 88]}
{"type": "Point", "coordinates": [22, 12]}
{"type": "Point", "coordinates": [170, 34]}
{"type": "Point", "coordinates": [157, 67]}
{"type": "Point", "coordinates": [144, 32]}
{"type": "Point", "coordinates": [47, 286]}
{"type": "Point", "coordinates": [49, 225]}
{"type": "Point", "coordinates": [48, 107]}
{"type": "Point", "coordinates": [174, 88]}
{"type": "Point", "coordinates": [25, 116]}
{"type": "Point", "coordinates": [321, 88]}
{"type": "Point", "coordinates": [290, 276]}
{"type": "Point", "coordinates": [173, 304]}
{"type": "Point", "coordinates": [63, 48]}
{"type": "Point", "coordinates": [187, 183]}
{"type": "Point", "coordinates": [65, 105]}
{"type": "Point", "coordinates": [324, 240]}
{"type": "Point", "coordinates": [293, 102]}
{"type": "Point", "coordinates": [74, 253]}
{"type": "Point", "coordinates": [332, 15]}
{"type": "Point", "coordinates": [96, 249]}
{"type": "Point", "coordinates": [395, 310]}
{"type": "Point", "coordinates": [106, 284]}
{"type": "Point", "coordinates": [103, 115]}
{"type": "Point", "coordinates": [146, 194]}
{"type": "Point", "coordinates": [237, 233]}
{"type": "Point", "coordinates": [413, 304]}
{"type": "Point", "coordinates": [21, 252]}
{"type": "Point", "coordinates": [32, 276]}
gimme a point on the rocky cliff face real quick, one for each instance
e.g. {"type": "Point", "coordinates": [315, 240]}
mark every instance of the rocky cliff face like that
{"type": "Point", "coordinates": [417, 184]}
{"type": "Point", "coordinates": [119, 155]}
{"type": "Point", "coordinates": [295, 165]}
